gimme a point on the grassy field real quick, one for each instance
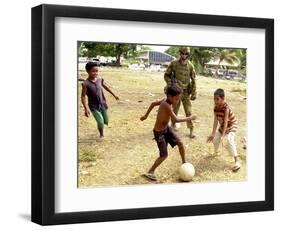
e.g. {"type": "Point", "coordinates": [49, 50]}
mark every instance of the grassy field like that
{"type": "Point", "coordinates": [128, 149]}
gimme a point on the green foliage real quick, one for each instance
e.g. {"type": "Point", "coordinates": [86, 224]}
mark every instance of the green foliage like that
{"type": "Point", "coordinates": [142, 49]}
{"type": "Point", "coordinates": [242, 55]}
{"type": "Point", "coordinates": [92, 49]}
{"type": "Point", "coordinates": [173, 51]}
{"type": "Point", "coordinates": [198, 56]}
{"type": "Point", "coordinates": [201, 55]}
{"type": "Point", "coordinates": [227, 55]}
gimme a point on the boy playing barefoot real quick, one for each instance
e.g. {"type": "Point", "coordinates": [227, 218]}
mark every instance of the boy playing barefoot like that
{"type": "Point", "coordinates": [227, 121]}
{"type": "Point", "coordinates": [164, 134]}
{"type": "Point", "coordinates": [92, 87]}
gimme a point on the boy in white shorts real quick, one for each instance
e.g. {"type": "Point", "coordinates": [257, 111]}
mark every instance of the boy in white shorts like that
{"type": "Point", "coordinates": [226, 119]}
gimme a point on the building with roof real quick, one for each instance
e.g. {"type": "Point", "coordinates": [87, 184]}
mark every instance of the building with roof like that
{"type": "Point", "coordinates": [155, 58]}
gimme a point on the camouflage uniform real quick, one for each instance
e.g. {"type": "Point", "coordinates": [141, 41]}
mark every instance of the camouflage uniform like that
{"type": "Point", "coordinates": [184, 76]}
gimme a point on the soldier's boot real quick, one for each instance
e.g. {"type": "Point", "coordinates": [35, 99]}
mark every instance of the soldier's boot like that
{"type": "Point", "coordinates": [191, 134]}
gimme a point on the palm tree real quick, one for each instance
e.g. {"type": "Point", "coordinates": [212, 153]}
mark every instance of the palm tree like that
{"type": "Point", "coordinates": [199, 56]}
{"type": "Point", "coordinates": [229, 56]}
{"type": "Point", "coordinates": [241, 54]}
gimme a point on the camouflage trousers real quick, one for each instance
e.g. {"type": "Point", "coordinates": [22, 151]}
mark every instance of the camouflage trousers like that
{"type": "Point", "coordinates": [185, 99]}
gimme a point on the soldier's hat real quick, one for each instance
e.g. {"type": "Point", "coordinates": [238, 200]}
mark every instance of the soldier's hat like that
{"type": "Point", "coordinates": [184, 50]}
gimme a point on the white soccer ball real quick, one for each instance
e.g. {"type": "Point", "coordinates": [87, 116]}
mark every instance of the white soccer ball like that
{"type": "Point", "coordinates": [186, 172]}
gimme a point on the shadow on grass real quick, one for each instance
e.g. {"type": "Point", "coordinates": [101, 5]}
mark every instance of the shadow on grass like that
{"type": "Point", "coordinates": [211, 162]}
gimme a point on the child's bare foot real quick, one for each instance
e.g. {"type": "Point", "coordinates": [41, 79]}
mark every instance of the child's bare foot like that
{"type": "Point", "coordinates": [150, 176]}
{"type": "Point", "coordinates": [236, 166]}
{"type": "Point", "coordinates": [101, 138]}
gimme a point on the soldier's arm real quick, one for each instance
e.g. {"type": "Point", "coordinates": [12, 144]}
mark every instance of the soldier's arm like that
{"type": "Point", "coordinates": [168, 74]}
{"type": "Point", "coordinates": [192, 80]}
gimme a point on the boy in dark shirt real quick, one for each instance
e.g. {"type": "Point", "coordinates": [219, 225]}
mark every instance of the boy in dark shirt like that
{"type": "Point", "coordinates": [92, 87]}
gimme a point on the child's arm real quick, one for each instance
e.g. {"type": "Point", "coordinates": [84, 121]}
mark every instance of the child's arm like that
{"type": "Point", "coordinates": [215, 126]}
{"type": "Point", "coordinates": [225, 122]}
{"type": "Point", "coordinates": [109, 90]}
{"type": "Point", "coordinates": [175, 118]}
{"type": "Point", "coordinates": [152, 105]}
{"type": "Point", "coordinates": [83, 100]}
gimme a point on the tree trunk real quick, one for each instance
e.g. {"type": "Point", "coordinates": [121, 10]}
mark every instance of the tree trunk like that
{"type": "Point", "coordinates": [217, 76]}
{"type": "Point", "coordinates": [118, 60]}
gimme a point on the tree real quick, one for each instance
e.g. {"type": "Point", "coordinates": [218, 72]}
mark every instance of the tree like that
{"type": "Point", "coordinates": [173, 51]}
{"type": "Point", "coordinates": [227, 55]}
{"type": "Point", "coordinates": [241, 54]}
{"type": "Point", "coordinates": [199, 56]}
{"type": "Point", "coordinates": [93, 49]}
{"type": "Point", "coordinates": [127, 50]}
{"type": "Point", "coordinates": [142, 49]}
{"type": "Point", "coordinates": [88, 49]}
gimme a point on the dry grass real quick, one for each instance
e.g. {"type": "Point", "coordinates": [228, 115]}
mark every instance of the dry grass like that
{"type": "Point", "coordinates": [128, 149]}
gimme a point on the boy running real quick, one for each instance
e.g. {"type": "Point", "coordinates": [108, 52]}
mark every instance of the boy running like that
{"type": "Point", "coordinates": [92, 87]}
{"type": "Point", "coordinates": [226, 119]}
{"type": "Point", "coordinates": [164, 134]}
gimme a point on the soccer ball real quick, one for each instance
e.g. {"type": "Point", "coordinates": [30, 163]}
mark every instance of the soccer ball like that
{"type": "Point", "coordinates": [186, 172]}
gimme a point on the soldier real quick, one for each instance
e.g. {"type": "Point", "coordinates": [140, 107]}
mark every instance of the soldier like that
{"type": "Point", "coordinates": [181, 72]}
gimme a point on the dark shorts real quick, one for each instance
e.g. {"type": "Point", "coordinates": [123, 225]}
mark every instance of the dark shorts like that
{"type": "Point", "coordinates": [164, 137]}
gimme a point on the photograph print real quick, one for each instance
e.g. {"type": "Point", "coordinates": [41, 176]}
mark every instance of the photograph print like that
{"type": "Point", "coordinates": [160, 114]}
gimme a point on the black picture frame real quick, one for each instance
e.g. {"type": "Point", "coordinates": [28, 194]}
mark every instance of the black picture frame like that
{"type": "Point", "coordinates": [43, 114]}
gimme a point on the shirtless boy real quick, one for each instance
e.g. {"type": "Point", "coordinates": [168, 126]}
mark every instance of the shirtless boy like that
{"type": "Point", "coordinates": [163, 133]}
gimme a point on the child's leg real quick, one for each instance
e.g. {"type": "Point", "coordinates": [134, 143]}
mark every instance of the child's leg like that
{"type": "Point", "coordinates": [101, 131]}
{"type": "Point", "coordinates": [105, 117]}
{"type": "Point", "coordinates": [157, 162]}
{"type": "Point", "coordinates": [231, 145]}
{"type": "Point", "coordinates": [182, 151]}
{"type": "Point", "coordinates": [163, 151]}
{"type": "Point", "coordinates": [231, 148]}
{"type": "Point", "coordinates": [173, 139]}
{"type": "Point", "coordinates": [100, 122]}
{"type": "Point", "coordinates": [216, 142]}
